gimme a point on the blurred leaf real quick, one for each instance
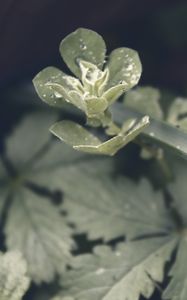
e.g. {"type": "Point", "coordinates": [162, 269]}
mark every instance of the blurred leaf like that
{"type": "Point", "coordinates": [145, 100]}
{"type": "Point", "coordinates": [14, 281]}
{"type": "Point", "coordinates": [177, 113]}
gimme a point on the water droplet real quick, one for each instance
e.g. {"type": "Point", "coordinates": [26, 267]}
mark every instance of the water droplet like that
{"type": "Point", "coordinates": [100, 271]}
{"type": "Point", "coordinates": [178, 147]}
{"type": "Point", "coordinates": [44, 95]}
{"type": "Point", "coordinates": [58, 95]}
{"type": "Point", "coordinates": [152, 134]}
{"type": "Point", "coordinates": [118, 253]}
{"type": "Point", "coordinates": [83, 46]}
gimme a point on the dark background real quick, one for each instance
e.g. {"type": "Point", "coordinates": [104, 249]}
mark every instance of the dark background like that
{"type": "Point", "coordinates": [30, 33]}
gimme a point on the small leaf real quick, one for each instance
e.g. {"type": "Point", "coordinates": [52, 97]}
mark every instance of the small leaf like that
{"type": "Point", "coordinates": [78, 137]}
{"type": "Point", "coordinates": [73, 134]}
{"type": "Point", "coordinates": [14, 281]}
{"type": "Point", "coordinates": [82, 44]}
{"type": "Point", "coordinates": [95, 106]}
{"type": "Point", "coordinates": [124, 67]}
{"type": "Point", "coordinates": [145, 100]}
{"type": "Point", "coordinates": [44, 90]}
{"type": "Point", "coordinates": [113, 93]}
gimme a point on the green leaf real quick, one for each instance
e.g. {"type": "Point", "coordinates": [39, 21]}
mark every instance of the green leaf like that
{"type": "Point", "coordinates": [177, 288]}
{"type": "Point", "coordinates": [40, 235]}
{"type": "Point", "coordinates": [95, 106]}
{"type": "Point", "coordinates": [124, 67]}
{"type": "Point", "coordinates": [45, 91]}
{"type": "Point", "coordinates": [74, 134]}
{"type": "Point", "coordinates": [126, 273]}
{"type": "Point", "coordinates": [82, 44]}
{"type": "Point", "coordinates": [135, 209]}
{"type": "Point", "coordinates": [145, 100]}
{"type": "Point", "coordinates": [158, 132]}
{"type": "Point", "coordinates": [28, 138]}
{"type": "Point", "coordinates": [33, 224]}
{"type": "Point", "coordinates": [14, 281]}
{"type": "Point", "coordinates": [77, 136]}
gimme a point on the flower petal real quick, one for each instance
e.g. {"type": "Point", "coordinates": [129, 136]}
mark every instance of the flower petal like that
{"type": "Point", "coordinates": [125, 67]}
{"type": "Point", "coordinates": [82, 44]}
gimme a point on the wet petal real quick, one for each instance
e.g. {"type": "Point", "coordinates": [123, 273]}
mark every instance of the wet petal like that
{"type": "Point", "coordinates": [125, 67]}
{"type": "Point", "coordinates": [82, 44]}
{"type": "Point", "coordinates": [44, 89]}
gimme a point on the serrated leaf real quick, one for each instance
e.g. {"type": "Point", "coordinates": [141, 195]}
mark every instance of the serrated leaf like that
{"type": "Point", "coordinates": [177, 288]}
{"type": "Point", "coordinates": [82, 44]}
{"type": "Point", "coordinates": [82, 140]}
{"type": "Point", "coordinates": [124, 67]}
{"type": "Point", "coordinates": [135, 209]}
{"type": "Point", "coordinates": [40, 235]}
{"type": "Point", "coordinates": [126, 273]}
{"type": "Point", "coordinates": [145, 100]}
{"type": "Point", "coordinates": [14, 281]}
{"type": "Point", "coordinates": [29, 211]}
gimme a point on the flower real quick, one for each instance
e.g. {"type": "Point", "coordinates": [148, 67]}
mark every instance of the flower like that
{"type": "Point", "coordinates": [96, 87]}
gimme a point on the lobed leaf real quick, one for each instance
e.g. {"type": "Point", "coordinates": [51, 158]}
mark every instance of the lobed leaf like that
{"type": "Point", "coordinates": [41, 235]}
{"type": "Point", "coordinates": [126, 273]}
{"type": "Point", "coordinates": [135, 209]}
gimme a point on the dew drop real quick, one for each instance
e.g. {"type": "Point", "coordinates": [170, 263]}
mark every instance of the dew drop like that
{"type": "Point", "coordinates": [100, 271]}
{"type": "Point", "coordinates": [83, 46]}
{"type": "Point", "coordinates": [58, 95]}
